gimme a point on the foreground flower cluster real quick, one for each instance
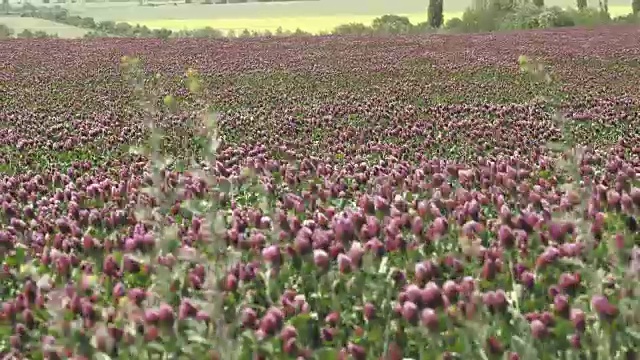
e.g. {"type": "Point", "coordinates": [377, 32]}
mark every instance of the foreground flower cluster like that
{"type": "Point", "coordinates": [369, 198]}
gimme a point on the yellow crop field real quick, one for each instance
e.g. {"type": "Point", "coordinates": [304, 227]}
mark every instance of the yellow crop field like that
{"type": "Point", "coordinates": [619, 10]}
{"type": "Point", "coordinates": [312, 24]}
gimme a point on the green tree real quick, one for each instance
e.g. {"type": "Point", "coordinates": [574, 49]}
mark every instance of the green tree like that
{"type": "Point", "coordinates": [88, 23]}
{"type": "Point", "coordinates": [435, 15]}
{"type": "Point", "coordinates": [5, 31]}
{"type": "Point", "coordinates": [5, 6]}
{"type": "Point", "coordinates": [392, 24]}
{"type": "Point", "coordinates": [538, 3]}
{"type": "Point", "coordinates": [581, 4]}
{"type": "Point", "coordinates": [123, 29]}
{"type": "Point", "coordinates": [635, 6]}
{"type": "Point", "coordinates": [25, 34]}
{"type": "Point", "coordinates": [352, 29]}
{"type": "Point", "coordinates": [106, 26]}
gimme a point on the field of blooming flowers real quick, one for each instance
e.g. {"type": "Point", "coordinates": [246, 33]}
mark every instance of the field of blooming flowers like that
{"type": "Point", "coordinates": [433, 197]}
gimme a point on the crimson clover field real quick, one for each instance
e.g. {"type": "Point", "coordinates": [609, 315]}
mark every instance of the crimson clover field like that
{"type": "Point", "coordinates": [424, 197]}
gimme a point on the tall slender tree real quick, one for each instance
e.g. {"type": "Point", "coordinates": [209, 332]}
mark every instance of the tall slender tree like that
{"type": "Point", "coordinates": [480, 4]}
{"type": "Point", "coordinates": [635, 6]}
{"type": "Point", "coordinates": [435, 14]}
{"type": "Point", "coordinates": [604, 7]}
{"type": "Point", "coordinates": [581, 4]}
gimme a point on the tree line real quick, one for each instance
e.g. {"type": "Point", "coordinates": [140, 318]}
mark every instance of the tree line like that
{"type": "Point", "coordinates": [484, 15]}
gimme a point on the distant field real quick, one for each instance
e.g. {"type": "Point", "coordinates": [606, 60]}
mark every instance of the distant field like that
{"type": "Point", "coordinates": [18, 24]}
{"type": "Point", "coordinates": [131, 11]}
{"type": "Point", "coordinates": [333, 8]}
{"type": "Point", "coordinates": [310, 16]}
{"type": "Point", "coordinates": [313, 24]}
